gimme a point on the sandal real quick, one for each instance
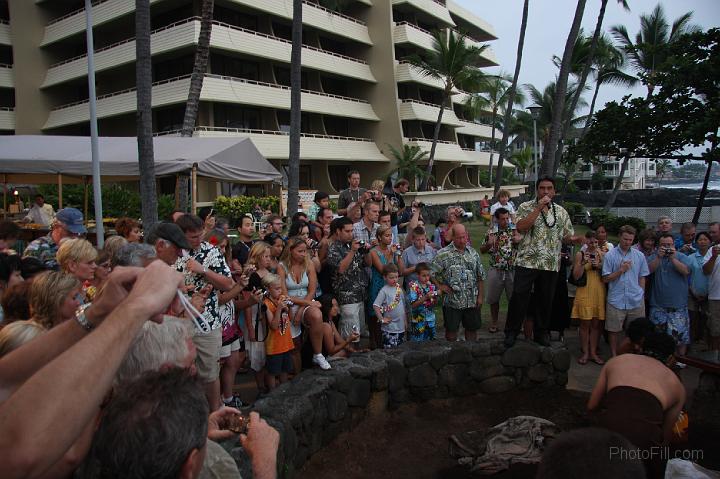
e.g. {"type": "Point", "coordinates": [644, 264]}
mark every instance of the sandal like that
{"type": "Point", "coordinates": [582, 361]}
{"type": "Point", "coordinates": [493, 329]}
{"type": "Point", "coordinates": [598, 361]}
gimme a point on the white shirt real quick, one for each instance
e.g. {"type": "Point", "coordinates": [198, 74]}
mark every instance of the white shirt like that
{"type": "Point", "coordinates": [509, 206]}
{"type": "Point", "coordinates": [42, 215]}
{"type": "Point", "coordinates": [714, 278]}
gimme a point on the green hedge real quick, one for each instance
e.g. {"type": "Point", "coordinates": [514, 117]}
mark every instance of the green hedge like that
{"type": "Point", "coordinates": [574, 209]}
{"type": "Point", "coordinates": [614, 223]}
{"type": "Point", "coordinates": [235, 207]}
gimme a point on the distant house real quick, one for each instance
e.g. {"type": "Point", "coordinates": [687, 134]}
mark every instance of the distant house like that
{"type": "Point", "coordinates": [640, 172]}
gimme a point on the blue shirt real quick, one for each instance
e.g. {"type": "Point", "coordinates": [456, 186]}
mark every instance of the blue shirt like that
{"type": "Point", "coordinates": [625, 292]}
{"type": "Point", "coordinates": [669, 286]}
{"type": "Point", "coordinates": [680, 242]}
{"type": "Point", "coordinates": [411, 257]}
{"type": "Point", "coordinates": [698, 280]}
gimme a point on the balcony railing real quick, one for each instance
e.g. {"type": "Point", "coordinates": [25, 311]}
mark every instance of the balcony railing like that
{"type": "Point", "coordinates": [397, 24]}
{"type": "Point", "coordinates": [420, 102]}
{"type": "Point", "coordinates": [74, 12]}
{"type": "Point", "coordinates": [333, 12]}
{"type": "Point", "coordinates": [264, 132]}
{"type": "Point", "coordinates": [430, 140]}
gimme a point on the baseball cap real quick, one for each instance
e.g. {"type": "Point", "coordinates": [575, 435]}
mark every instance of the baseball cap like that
{"type": "Point", "coordinates": [170, 232]}
{"type": "Point", "coordinates": [72, 219]}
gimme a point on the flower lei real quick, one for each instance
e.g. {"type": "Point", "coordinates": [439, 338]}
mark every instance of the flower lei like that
{"type": "Point", "coordinates": [396, 301]}
{"type": "Point", "coordinates": [421, 291]}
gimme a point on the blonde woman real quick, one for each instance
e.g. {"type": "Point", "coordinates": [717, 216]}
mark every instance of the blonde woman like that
{"type": "Point", "coordinates": [54, 298]}
{"type": "Point", "coordinates": [18, 333]}
{"type": "Point", "coordinates": [77, 257]}
{"type": "Point", "coordinates": [298, 280]}
{"type": "Point", "coordinates": [254, 327]}
{"type": "Point", "coordinates": [589, 304]}
{"type": "Point", "coordinates": [381, 255]}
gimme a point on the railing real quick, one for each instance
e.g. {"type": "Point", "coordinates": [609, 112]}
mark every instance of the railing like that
{"type": "Point", "coordinates": [289, 42]}
{"type": "Point", "coordinates": [475, 122]}
{"type": "Point", "coordinates": [74, 12]}
{"type": "Point", "coordinates": [420, 102]}
{"type": "Point", "coordinates": [397, 24]}
{"type": "Point", "coordinates": [466, 35]}
{"type": "Point", "coordinates": [5, 65]}
{"type": "Point", "coordinates": [430, 140]}
{"type": "Point", "coordinates": [333, 12]}
{"type": "Point", "coordinates": [4, 22]}
{"type": "Point", "coordinates": [440, 2]}
{"type": "Point", "coordinates": [7, 108]}
{"type": "Point", "coordinates": [283, 87]}
{"type": "Point", "coordinates": [121, 92]}
{"type": "Point", "coordinates": [265, 132]}
{"type": "Point", "coordinates": [122, 42]}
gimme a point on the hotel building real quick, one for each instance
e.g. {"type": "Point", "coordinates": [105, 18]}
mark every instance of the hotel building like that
{"type": "Point", "coordinates": [359, 95]}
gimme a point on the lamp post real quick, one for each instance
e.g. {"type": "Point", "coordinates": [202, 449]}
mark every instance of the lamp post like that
{"type": "Point", "coordinates": [535, 113]}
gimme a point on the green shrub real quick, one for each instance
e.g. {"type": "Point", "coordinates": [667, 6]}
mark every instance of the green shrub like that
{"type": "Point", "coordinates": [620, 221]}
{"type": "Point", "coordinates": [235, 207]}
{"type": "Point", "coordinates": [601, 217]}
{"type": "Point", "coordinates": [573, 208]}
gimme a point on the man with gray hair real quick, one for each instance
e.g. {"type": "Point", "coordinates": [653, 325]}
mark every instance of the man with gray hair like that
{"type": "Point", "coordinates": [169, 241]}
{"type": "Point", "coordinates": [135, 254]}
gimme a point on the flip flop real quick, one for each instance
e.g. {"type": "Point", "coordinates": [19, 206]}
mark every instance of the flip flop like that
{"type": "Point", "coordinates": [598, 361]}
{"type": "Point", "coordinates": [493, 329]}
{"type": "Point", "coordinates": [582, 361]}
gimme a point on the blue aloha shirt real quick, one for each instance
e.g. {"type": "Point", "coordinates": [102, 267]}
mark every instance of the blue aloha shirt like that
{"type": "Point", "coordinates": [45, 249]}
{"type": "Point", "coordinates": [461, 271]}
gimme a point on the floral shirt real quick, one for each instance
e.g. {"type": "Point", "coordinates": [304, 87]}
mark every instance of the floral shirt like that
{"type": "Point", "coordinates": [502, 254]}
{"type": "Point", "coordinates": [540, 246]}
{"type": "Point", "coordinates": [461, 271]}
{"type": "Point", "coordinates": [425, 311]}
{"type": "Point", "coordinates": [349, 286]}
{"type": "Point", "coordinates": [45, 249]}
{"type": "Point", "coordinates": [213, 259]}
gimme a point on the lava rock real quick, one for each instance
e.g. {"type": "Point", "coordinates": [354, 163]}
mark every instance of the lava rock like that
{"type": "Point", "coordinates": [561, 360]}
{"type": "Point", "coordinates": [499, 384]}
{"type": "Point", "coordinates": [397, 375]}
{"type": "Point", "coordinates": [459, 353]}
{"type": "Point", "coordinates": [336, 405]}
{"type": "Point", "coordinates": [521, 356]}
{"type": "Point", "coordinates": [414, 358]}
{"type": "Point", "coordinates": [359, 394]}
{"type": "Point", "coordinates": [422, 376]}
{"type": "Point", "coordinates": [538, 373]}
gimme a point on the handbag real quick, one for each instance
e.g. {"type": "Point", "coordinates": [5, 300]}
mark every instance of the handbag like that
{"type": "Point", "coordinates": [580, 282]}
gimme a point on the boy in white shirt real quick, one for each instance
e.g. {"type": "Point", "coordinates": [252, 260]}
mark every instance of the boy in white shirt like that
{"type": "Point", "coordinates": [389, 306]}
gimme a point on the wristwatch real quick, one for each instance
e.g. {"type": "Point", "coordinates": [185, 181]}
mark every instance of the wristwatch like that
{"type": "Point", "coordinates": [82, 319]}
{"type": "Point", "coordinates": [204, 270]}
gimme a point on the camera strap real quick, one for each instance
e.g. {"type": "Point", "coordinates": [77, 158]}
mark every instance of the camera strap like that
{"type": "Point", "coordinates": [194, 314]}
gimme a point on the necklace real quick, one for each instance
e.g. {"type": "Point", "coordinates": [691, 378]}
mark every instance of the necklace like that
{"type": "Point", "coordinates": [396, 301]}
{"type": "Point", "coordinates": [554, 216]}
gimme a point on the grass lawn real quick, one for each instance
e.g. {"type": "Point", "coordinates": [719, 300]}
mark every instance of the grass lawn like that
{"type": "Point", "coordinates": [477, 230]}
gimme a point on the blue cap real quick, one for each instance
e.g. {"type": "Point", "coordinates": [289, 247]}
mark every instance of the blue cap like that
{"type": "Point", "coordinates": [72, 219]}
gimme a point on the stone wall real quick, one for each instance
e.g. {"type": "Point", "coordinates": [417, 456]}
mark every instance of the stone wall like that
{"type": "Point", "coordinates": [316, 406]}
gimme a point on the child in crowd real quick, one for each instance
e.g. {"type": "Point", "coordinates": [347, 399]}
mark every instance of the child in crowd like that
{"type": "Point", "coordinates": [422, 296]}
{"type": "Point", "coordinates": [503, 201]}
{"type": "Point", "coordinates": [279, 342]}
{"type": "Point", "coordinates": [389, 309]}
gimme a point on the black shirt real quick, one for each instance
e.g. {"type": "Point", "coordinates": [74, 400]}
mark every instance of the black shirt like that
{"type": "Point", "coordinates": [241, 250]}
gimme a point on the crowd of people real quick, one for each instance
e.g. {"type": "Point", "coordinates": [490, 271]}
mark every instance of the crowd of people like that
{"type": "Point", "coordinates": [301, 292]}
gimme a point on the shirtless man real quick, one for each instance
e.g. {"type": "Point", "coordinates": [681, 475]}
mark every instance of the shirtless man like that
{"type": "Point", "coordinates": [641, 397]}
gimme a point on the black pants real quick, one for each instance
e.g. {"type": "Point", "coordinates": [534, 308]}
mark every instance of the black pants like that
{"type": "Point", "coordinates": [544, 293]}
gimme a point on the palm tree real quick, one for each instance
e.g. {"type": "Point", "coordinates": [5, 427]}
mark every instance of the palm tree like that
{"type": "Point", "coordinates": [295, 109]}
{"type": "Point", "coordinates": [493, 95]}
{"type": "Point", "coordinates": [202, 53]}
{"type": "Point", "coordinates": [452, 63]}
{"type": "Point", "coordinates": [407, 163]}
{"type": "Point", "coordinates": [609, 64]}
{"type": "Point", "coordinates": [647, 51]}
{"type": "Point", "coordinates": [511, 96]}
{"type": "Point", "coordinates": [522, 159]}
{"type": "Point", "coordinates": [546, 99]}
{"type": "Point", "coordinates": [143, 116]}
{"type": "Point", "coordinates": [662, 168]}
{"type": "Point", "coordinates": [556, 126]}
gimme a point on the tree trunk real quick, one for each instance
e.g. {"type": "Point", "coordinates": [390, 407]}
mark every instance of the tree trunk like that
{"type": "Point", "coordinates": [592, 109]}
{"type": "Point", "coordinates": [295, 110]}
{"type": "Point", "coordinates": [511, 97]}
{"type": "Point", "coordinates": [548, 160]}
{"type": "Point", "coordinates": [618, 183]}
{"type": "Point", "coordinates": [433, 147]}
{"type": "Point", "coordinates": [202, 53]}
{"type": "Point", "coordinates": [492, 144]}
{"type": "Point", "coordinates": [704, 190]}
{"type": "Point", "coordinates": [143, 116]}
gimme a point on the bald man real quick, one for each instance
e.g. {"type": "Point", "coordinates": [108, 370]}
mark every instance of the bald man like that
{"type": "Point", "coordinates": [459, 274]}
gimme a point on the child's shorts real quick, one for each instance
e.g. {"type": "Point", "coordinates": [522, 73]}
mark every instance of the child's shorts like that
{"type": "Point", "coordinates": [392, 340]}
{"type": "Point", "coordinates": [276, 364]}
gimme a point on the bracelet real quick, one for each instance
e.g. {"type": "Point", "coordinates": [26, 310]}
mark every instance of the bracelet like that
{"type": "Point", "coordinates": [82, 319]}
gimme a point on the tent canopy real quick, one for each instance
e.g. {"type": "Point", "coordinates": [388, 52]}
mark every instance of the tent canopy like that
{"type": "Point", "coordinates": [227, 159]}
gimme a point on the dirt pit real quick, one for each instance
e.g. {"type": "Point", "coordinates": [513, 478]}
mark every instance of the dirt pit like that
{"type": "Point", "coordinates": [412, 441]}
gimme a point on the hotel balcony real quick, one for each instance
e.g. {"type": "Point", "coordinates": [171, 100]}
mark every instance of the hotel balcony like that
{"type": "Point", "coordinates": [405, 32]}
{"type": "Point", "coordinates": [487, 31]}
{"type": "Point", "coordinates": [225, 37]}
{"type": "Point", "coordinates": [217, 89]}
{"type": "Point", "coordinates": [5, 33]}
{"type": "Point", "coordinates": [417, 110]}
{"type": "Point", "coordinates": [475, 129]}
{"type": "Point", "coordinates": [405, 72]}
{"type": "Point", "coordinates": [445, 151]}
{"type": "Point", "coordinates": [275, 145]}
{"type": "Point", "coordinates": [7, 118]}
{"type": "Point", "coordinates": [7, 79]}
{"type": "Point", "coordinates": [432, 8]}
{"type": "Point", "coordinates": [478, 157]}
{"type": "Point", "coordinates": [315, 16]}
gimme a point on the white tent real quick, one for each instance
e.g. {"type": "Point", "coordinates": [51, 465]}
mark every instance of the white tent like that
{"type": "Point", "coordinates": [226, 159]}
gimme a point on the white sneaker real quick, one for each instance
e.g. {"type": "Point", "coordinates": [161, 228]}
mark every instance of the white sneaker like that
{"type": "Point", "coordinates": [320, 360]}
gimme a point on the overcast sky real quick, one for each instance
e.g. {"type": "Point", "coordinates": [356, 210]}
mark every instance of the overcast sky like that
{"type": "Point", "coordinates": [549, 23]}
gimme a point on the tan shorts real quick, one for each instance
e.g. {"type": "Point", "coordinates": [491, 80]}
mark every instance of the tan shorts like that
{"type": "Point", "coordinates": [617, 319]}
{"type": "Point", "coordinates": [498, 281]}
{"type": "Point", "coordinates": [714, 317]}
{"type": "Point", "coordinates": [208, 354]}
{"type": "Point", "coordinates": [351, 315]}
{"type": "Point", "coordinates": [228, 349]}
